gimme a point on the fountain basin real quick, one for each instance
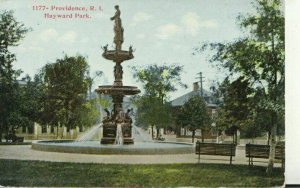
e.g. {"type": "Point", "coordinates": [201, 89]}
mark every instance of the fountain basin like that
{"type": "Point", "coordinates": [118, 90]}
{"type": "Point", "coordinates": [93, 147]}
{"type": "Point", "coordinates": [117, 56]}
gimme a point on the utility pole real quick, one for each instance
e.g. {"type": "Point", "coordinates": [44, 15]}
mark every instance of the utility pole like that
{"type": "Point", "coordinates": [201, 81]}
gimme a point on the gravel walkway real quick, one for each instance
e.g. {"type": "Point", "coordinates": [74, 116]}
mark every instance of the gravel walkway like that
{"type": "Point", "coordinates": [24, 152]}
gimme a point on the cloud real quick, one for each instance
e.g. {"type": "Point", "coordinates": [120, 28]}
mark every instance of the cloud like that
{"type": "Point", "coordinates": [48, 35]}
{"type": "Point", "coordinates": [167, 31]}
{"type": "Point", "coordinates": [52, 35]}
{"type": "Point", "coordinates": [68, 37]}
{"type": "Point", "coordinates": [192, 23]}
{"type": "Point", "coordinates": [140, 17]}
{"type": "Point", "coordinates": [209, 24]}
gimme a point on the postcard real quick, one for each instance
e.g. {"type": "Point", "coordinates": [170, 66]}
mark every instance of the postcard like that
{"type": "Point", "coordinates": [147, 93]}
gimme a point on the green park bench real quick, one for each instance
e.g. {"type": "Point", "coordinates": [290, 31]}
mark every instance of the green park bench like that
{"type": "Point", "coordinates": [215, 149]}
{"type": "Point", "coordinates": [262, 151]}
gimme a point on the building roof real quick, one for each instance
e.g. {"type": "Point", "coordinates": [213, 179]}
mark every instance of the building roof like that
{"type": "Point", "coordinates": [22, 82]}
{"type": "Point", "coordinates": [184, 98]}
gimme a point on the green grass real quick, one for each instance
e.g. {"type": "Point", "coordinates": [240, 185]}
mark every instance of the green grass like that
{"type": "Point", "coordinates": [37, 173]}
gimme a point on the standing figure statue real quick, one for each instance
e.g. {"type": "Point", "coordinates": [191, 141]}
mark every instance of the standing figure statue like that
{"type": "Point", "coordinates": [118, 72]}
{"type": "Point", "coordinates": [118, 29]}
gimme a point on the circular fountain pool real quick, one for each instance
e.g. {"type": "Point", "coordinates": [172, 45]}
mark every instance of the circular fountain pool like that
{"type": "Point", "coordinates": [94, 147]}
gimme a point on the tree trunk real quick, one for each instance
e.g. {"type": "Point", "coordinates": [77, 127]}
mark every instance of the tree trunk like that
{"type": "Point", "coordinates": [235, 139]}
{"type": "Point", "coordinates": [157, 133]}
{"type": "Point", "coordinates": [184, 131]}
{"type": "Point", "coordinates": [62, 132]}
{"type": "Point", "coordinates": [178, 131]}
{"type": "Point", "coordinates": [1, 129]}
{"type": "Point", "coordinates": [202, 135]}
{"type": "Point", "coordinates": [269, 136]}
{"type": "Point", "coordinates": [272, 146]}
{"type": "Point", "coordinates": [0, 134]}
{"type": "Point", "coordinates": [57, 131]}
{"type": "Point", "coordinates": [272, 152]}
{"type": "Point", "coordinates": [193, 135]}
{"type": "Point", "coordinates": [152, 132]}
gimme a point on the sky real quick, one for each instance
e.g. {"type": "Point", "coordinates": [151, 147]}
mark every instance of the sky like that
{"type": "Point", "coordinates": [161, 32]}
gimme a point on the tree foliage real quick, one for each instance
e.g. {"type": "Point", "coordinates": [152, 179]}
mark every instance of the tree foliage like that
{"type": "Point", "coordinates": [151, 111]}
{"type": "Point", "coordinates": [11, 32]}
{"type": "Point", "coordinates": [258, 57]}
{"type": "Point", "coordinates": [194, 114]}
{"type": "Point", "coordinates": [158, 81]}
{"type": "Point", "coordinates": [66, 86]}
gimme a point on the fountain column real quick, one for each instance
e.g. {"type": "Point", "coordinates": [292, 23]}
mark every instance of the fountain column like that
{"type": "Point", "coordinates": [117, 91]}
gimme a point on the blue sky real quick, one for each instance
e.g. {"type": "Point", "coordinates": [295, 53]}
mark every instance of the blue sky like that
{"type": "Point", "coordinates": [161, 31]}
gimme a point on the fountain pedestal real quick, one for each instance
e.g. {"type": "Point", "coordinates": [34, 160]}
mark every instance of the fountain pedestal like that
{"type": "Point", "coordinates": [117, 90]}
{"type": "Point", "coordinates": [110, 134]}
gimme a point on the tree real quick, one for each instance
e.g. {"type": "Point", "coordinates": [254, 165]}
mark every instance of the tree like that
{"type": "Point", "coordinates": [30, 101]}
{"type": "Point", "coordinates": [66, 84]}
{"type": "Point", "coordinates": [259, 58]}
{"type": "Point", "coordinates": [194, 114]}
{"type": "Point", "coordinates": [150, 111]}
{"type": "Point", "coordinates": [11, 32]}
{"type": "Point", "coordinates": [86, 115]}
{"type": "Point", "coordinates": [158, 82]}
{"type": "Point", "coordinates": [237, 109]}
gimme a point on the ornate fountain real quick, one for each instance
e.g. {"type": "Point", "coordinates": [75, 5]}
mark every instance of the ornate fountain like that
{"type": "Point", "coordinates": [117, 125]}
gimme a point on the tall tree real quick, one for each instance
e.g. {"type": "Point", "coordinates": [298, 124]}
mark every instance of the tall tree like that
{"type": "Point", "coordinates": [259, 58]}
{"type": "Point", "coordinates": [158, 81]}
{"type": "Point", "coordinates": [31, 94]}
{"type": "Point", "coordinates": [194, 114]}
{"type": "Point", "coordinates": [67, 85]}
{"type": "Point", "coordinates": [11, 32]}
{"type": "Point", "coordinates": [236, 106]}
{"type": "Point", "coordinates": [151, 111]}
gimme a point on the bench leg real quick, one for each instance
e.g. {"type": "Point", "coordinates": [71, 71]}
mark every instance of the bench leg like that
{"type": "Point", "coordinates": [249, 160]}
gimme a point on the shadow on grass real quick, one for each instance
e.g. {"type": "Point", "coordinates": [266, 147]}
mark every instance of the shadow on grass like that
{"type": "Point", "coordinates": [37, 173]}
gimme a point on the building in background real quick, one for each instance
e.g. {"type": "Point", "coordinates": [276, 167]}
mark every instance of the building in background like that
{"type": "Point", "coordinates": [211, 103]}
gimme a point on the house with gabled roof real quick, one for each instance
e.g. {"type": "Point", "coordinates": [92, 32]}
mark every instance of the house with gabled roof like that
{"type": "Point", "coordinates": [210, 100]}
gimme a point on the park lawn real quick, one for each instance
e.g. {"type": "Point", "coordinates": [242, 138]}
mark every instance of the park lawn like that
{"type": "Point", "coordinates": [50, 174]}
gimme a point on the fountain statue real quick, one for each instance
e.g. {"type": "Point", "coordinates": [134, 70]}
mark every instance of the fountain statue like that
{"type": "Point", "coordinates": [117, 126]}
